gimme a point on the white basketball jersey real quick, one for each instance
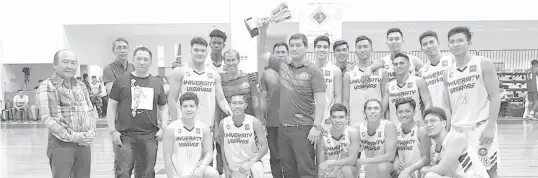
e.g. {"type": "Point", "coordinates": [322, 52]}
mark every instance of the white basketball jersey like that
{"type": "Point", "coordinates": [433, 75]}
{"type": "Point", "coordinates": [188, 147]}
{"type": "Point", "coordinates": [328, 72]}
{"type": "Point", "coordinates": [239, 143]}
{"type": "Point", "coordinates": [408, 90]}
{"type": "Point", "coordinates": [390, 68]}
{"type": "Point", "coordinates": [469, 165]}
{"type": "Point", "coordinates": [336, 149]}
{"type": "Point", "coordinates": [373, 145]}
{"type": "Point", "coordinates": [204, 86]}
{"type": "Point", "coordinates": [468, 94]}
{"type": "Point", "coordinates": [408, 146]}
{"type": "Point", "coordinates": [361, 90]}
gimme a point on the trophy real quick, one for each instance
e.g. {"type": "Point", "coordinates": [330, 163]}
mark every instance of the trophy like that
{"type": "Point", "coordinates": [279, 14]}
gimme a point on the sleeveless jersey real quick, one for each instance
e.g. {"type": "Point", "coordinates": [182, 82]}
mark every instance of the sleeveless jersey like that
{"type": "Point", "coordinates": [336, 150]}
{"type": "Point", "coordinates": [408, 90]}
{"type": "Point", "coordinates": [373, 145]}
{"type": "Point", "coordinates": [469, 165]}
{"type": "Point", "coordinates": [188, 147]}
{"type": "Point", "coordinates": [328, 72]}
{"type": "Point", "coordinates": [204, 86]}
{"type": "Point", "coordinates": [433, 76]}
{"type": "Point", "coordinates": [362, 90]}
{"type": "Point", "coordinates": [467, 93]}
{"type": "Point", "coordinates": [531, 81]}
{"type": "Point", "coordinates": [408, 146]}
{"type": "Point", "coordinates": [239, 143]}
{"type": "Point", "coordinates": [390, 68]}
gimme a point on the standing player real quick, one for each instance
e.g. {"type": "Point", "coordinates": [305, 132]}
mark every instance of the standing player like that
{"type": "Point", "coordinates": [243, 140]}
{"type": "Point", "coordinates": [532, 92]}
{"type": "Point", "coordinates": [357, 87]}
{"type": "Point", "coordinates": [451, 154]}
{"type": "Point", "coordinates": [341, 55]}
{"type": "Point", "coordinates": [217, 42]}
{"type": "Point", "coordinates": [333, 78]}
{"type": "Point", "coordinates": [378, 137]}
{"type": "Point", "coordinates": [200, 79]}
{"type": "Point", "coordinates": [474, 98]}
{"type": "Point", "coordinates": [188, 145]}
{"type": "Point", "coordinates": [413, 149]}
{"type": "Point", "coordinates": [405, 86]}
{"type": "Point", "coordinates": [435, 67]}
{"type": "Point", "coordinates": [338, 150]}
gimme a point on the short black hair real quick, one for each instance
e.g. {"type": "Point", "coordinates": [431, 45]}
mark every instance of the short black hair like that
{"type": "Point", "coordinates": [322, 38]}
{"type": "Point", "coordinates": [299, 36]}
{"type": "Point", "coordinates": [19, 90]}
{"type": "Point", "coordinates": [118, 40]}
{"type": "Point", "coordinates": [436, 111]}
{"type": "Point", "coordinates": [533, 62]}
{"type": "Point", "coordinates": [281, 44]}
{"type": "Point", "coordinates": [426, 34]}
{"type": "Point", "coordinates": [362, 37]}
{"type": "Point", "coordinates": [187, 96]}
{"type": "Point", "coordinates": [465, 30]}
{"type": "Point", "coordinates": [393, 30]}
{"type": "Point", "coordinates": [198, 40]}
{"type": "Point", "coordinates": [142, 48]}
{"type": "Point", "coordinates": [403, 101]}
{"type": "Point", "coordinates": [401, 55]}
{"type": "Point", "coordinates": [338, 107]}
{"type": "Point", "coordinates": [371, 100]}
{"type": "Point", "coordinates": [84, 76]}
{"type": "Point", "coordinates": [340, 43]}
{"type": "Point", "coordinates": [93, 76]}
{"type": "Point", "coordinates": [40, 81]}
{"type": "Point", "coordinates": [219, 34]}
{"type": "Point", "coordinates": [241, 95]}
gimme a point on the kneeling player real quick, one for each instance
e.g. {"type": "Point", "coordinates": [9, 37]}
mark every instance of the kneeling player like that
{"type": "Point", "coordinates": [452, 156]}
{"type": "Point", "coordinates": [378, 139]}
{"type": "Point", "coordinates": [413, 148]}
{"type": "Point", "coordinates": [188, 145]}
{"type": "Point", "coordinates": [338, 150]}
{"type": "Point", "coordinates": [243, 141]}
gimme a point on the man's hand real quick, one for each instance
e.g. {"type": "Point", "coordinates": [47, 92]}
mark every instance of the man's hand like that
{"type": "Point", "coordinates": [245, 169]}
{"type": "Point", "coordinates": [488, 133]}
{"type": "Point", "coordinates": [116, 138]}
{"type": "Point", "coordinates": [405, 174]}
{"type": "Point", "coordinates": [313, 135]}
{"type": "Point", "coordinates": [159, 135]}
{"type": "Point", "coordinates": [198, 172]}
{"type": "Point", "coordinates": [324, 165]}
{"type": "Point", "coordinates": [85, 139]}
{"type": "Point", "coordinates": [398, 165]}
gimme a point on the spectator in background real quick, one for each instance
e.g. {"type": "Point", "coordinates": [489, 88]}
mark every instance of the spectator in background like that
{"type": "Point", "coordinates": [86, 81]}
{"type": "Point", "coordinates": [532, 92]}
{"type": "Point", "coordinates": [120, 66]}
{"type": "Point", "coordinates": [104, 97]}
{"type": "Point", "coordinates": [21, 105]}
{"type": "Point", "coordinates": [34, 109]}
{"type": "Point", "coordinates": [96, 95]}
{"type": "Point", "coordinates": [166, 85]}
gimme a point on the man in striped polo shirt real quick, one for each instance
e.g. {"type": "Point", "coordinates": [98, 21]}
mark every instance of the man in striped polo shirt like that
{"type": "Point", "coordinates": [302, 92]}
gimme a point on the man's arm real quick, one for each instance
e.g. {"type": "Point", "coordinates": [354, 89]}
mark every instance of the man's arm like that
{"type": "Point", "coordinates": [318, 86]}
{"type": "Point", "coordinates": [253, 77]}
{"type": "Point", "coordinates": [385, 102]}
{"type": "Point", "coordinates": [263, 99]}
{"type": "Point", "coordinates": [453, 150]}
{"type": "Point", "coordinates": [51, 114]}
{"type": "Point", "coordinates": [424, 93]}
{"type": "Point", "coordinates": [222, 151]}
{"type": "Point", "coordinates": [337, 85]}
{"type": "Point", "coordinates": [208, 149]}
{"type": "Point", "coordinates": [448, 107]}
{"type": "Point", "coordinates": [353, 150]}
{"type": "Point", "coordinates": [111, 114]}
{"type": "Point", "coordinates": [492, 86]}
{"type": "Point", "coordinates": [262, 140]}
{"type": "Point", "coordinates": [163, 107]}
{"type": "Point", "coordinates": [417, 63]}
{"type": "Point", "coordinates": [390, 146]}
{"type": "Point", "coordinates": [425, 145]}
{"type": "Point", "coordinates": [108, 78]}
{"type": "Point", "coordinates": [92, 113]}
{"type": "Point", "coordinates": [384, 81]}
{"type": "Point", "coordinates": [168, 150]}
{"type": "Point", "coordinates": [263, 52]}
{"type": "Point", "coordinates": [377, 64]}
{"type": "Point", "coordinates": [346, 89]}
{"type": "Point", "coordinates": [320, 151]}
{"type": "Point", "coordinates": [175, 91]}
{"type": "Point", "coordinates": [221, 100]}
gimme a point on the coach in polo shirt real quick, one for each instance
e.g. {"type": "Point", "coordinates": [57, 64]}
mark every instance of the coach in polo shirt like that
{"type": "Point", "coordinates": [120, 66]}
{"type": "Point", "coordinates": [302, 102]}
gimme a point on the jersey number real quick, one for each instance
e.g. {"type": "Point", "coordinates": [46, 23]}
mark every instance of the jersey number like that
{"type": "Point", "coordinates": [464, 98]}
{"type": "Point", "coordinates": [189, 154]}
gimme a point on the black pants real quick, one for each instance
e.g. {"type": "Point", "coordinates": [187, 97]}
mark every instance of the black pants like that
{"type": "Point", "coordinates": [274, 159]}
{"type": "Point", "coordinates": [68, 159]}
{"type": "Point", "coordinates": [105, 105]}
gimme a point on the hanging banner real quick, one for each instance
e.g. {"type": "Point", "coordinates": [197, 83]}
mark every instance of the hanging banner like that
{"type": "Point", "coordinates": [318, 18]}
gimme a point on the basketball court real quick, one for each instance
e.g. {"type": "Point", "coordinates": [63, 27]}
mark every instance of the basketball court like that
{"type": "Point", "coordinates": [23, 151]}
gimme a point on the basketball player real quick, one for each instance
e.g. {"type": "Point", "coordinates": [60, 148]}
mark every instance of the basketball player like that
{"type": "Point", "coordinates": [341, 55]}
{"type": "Point", "coordinates": [395, 43]}
{"type": "Point", "coordinates": [378, 140]}
{"type": "Point", "coordinates": [413, 149]}
{"type": "Point", "coordinates": [357, 87]}
{"type": "Point", "coordinates": [196, 77]}
{"type": "Point", "coordinates": [243, 140]}
{"type": "Point", "coordinates": [188, 144]}
{"type": "Point", "coordinates": [532, 91]}
{"type": "Point", "coordinates": [406, 85]}
{"type": "Point", "coordinates": [451, 155]}
{"type": "Point", "coordinates": [474, 98]}
{"type": "Point", "coordinates": [333, 78]}
{"type": "Point", "coordinates": [435, 67]}
{"type": "Point", "coordinates": [338, 150]}
{"type": "Point", "coordinates": [217, 42]}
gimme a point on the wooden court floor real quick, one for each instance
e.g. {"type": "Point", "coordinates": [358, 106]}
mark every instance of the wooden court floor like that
{"type": "Point", "coordinates": [22, 152]}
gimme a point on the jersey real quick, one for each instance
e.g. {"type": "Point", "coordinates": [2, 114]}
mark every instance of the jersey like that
{"type": "Point", "coordinates": [373, 145]}
{"type": "Point", "coordinates": [433, 76]}
{"type": "Point", "coordinates": [209, 63]}
{"type": "Point", "coordinates": [203, 84]}
{"type": "Point", "coordinates": [469, 165]}
{"type": "Point", "coordinates": [328, 73]}
{"type": "Point", "coordinates": [336, 149]}
{"type": "Point", "coordinates": [188, 147]}
{"type": "Point", "coordinates": [408, 90]}
{"type": "Point", "coordinates": [408, 146]}
{"type": "Point", "coordinates": [239, 143]}
{"type": "Point", "coordinates": [390, 68]}
{"type": "Point", "coordinates": [467, 92]}
{"type": "Point", "coordinates": [361, 90]}
{"type": "Point", "coordinates": [531, 81]}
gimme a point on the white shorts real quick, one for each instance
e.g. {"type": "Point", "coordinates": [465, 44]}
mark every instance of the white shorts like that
{"type": "Point", "coordinates": [488, 154]}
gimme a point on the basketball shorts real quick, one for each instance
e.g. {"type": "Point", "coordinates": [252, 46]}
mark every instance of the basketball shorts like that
{"type": "Point", "coordinates": [488, 154]}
